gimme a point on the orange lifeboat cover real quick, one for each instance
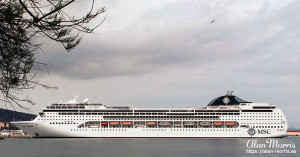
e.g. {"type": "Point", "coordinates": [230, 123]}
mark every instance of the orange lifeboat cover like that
{"type": "Point", "coordinates": [218, 123]}
{"type": "Point", "coordinates": [151, 123]}
{"type": "Point", "coordinates": [231, 123]}
{"type": "Point", "coordinates": [114, 122]}
{"type": "Point", "coordinates": [127, 122]}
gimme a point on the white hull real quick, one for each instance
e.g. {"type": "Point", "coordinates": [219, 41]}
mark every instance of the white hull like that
{"type": "Point", "coordinates": [46, 130]}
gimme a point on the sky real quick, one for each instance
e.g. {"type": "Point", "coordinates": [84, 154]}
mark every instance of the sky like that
{"type": "Point", "coordinates": [169, 54]}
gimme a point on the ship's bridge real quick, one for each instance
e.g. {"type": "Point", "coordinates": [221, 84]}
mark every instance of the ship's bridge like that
{"type": "Point", "coordinates": [227, 99]}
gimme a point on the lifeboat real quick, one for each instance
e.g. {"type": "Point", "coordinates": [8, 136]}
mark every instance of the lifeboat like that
{"type": "Point", "coordinates": [151, 123]}
{"type": "Point", "coordinates": [104, 123]}
{"type": "Point", "coordinates": [189, 123]}
{"type": "Point", "coordinates": [218, 123]}
{"type": "Point", "coordinates": [127, 123]}
{"type": "Point", "coordinates": [114, 123]}
{"type": "Point", "coordinates": [230, 123]}
{"type": "Point", "coordinates": [165, 123]}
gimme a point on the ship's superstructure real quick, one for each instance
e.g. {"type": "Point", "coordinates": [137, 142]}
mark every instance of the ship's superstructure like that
{"type": "Point", "coordinates": [225, 116]}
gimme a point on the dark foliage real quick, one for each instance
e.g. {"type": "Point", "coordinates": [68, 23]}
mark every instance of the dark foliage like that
{"type": "Point", "coordinates": [22, 22]}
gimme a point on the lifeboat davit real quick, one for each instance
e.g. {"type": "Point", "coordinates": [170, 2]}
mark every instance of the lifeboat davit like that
{"type": "Point", "coordinates": [205, 123]}
{"type": "Point", "coordinates": [189, 123]}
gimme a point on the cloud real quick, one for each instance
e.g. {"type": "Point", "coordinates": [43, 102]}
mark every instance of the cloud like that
{"type": "Point", "coordinates": [180, 33]}
{"type": "Point", "coordinates": [168, 52]}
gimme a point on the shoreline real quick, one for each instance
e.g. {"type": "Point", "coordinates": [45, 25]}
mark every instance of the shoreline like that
{"type": "Point", "coordinates": [15, 136]}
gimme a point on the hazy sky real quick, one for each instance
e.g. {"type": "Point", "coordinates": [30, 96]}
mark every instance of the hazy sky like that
{"type": "Point", "coordinates": [168, 54]}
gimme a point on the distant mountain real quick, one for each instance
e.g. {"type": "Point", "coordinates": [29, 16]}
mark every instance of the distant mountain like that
{"type": "Point", "coordinates": [293, 128]}
{"type": "Point", "coordinates": [9, 116]}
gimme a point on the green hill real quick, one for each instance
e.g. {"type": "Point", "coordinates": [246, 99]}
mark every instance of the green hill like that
{"type": "Point", "coordinates": [9, 116]}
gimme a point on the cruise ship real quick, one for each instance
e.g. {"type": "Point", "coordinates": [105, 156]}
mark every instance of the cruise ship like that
{"type": "Point", "coordinates": [225, 116]}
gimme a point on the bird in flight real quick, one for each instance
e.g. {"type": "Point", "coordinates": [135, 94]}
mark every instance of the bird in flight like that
{"type": "Point", "coordinates": [212, 21]}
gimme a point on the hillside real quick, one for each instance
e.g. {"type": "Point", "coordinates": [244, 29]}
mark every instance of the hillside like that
{"type": "Point", "coordinates": [9, 115]}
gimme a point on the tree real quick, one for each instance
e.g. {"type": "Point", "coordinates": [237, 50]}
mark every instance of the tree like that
{"type": "Point", "coordinates": [22, 23]}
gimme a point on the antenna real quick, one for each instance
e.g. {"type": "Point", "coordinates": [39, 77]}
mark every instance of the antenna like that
{"type": "Point", "coordinates": [229, 93]}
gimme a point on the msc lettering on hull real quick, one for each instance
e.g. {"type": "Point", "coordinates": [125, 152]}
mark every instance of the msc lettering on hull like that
{"type": "Point", "coordinates": [264, 131]}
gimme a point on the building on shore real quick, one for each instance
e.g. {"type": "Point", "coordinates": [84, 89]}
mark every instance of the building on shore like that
{"type": "Point", "coordinates": [4, 125]}
{"type": "Point", "coordinates": [11, 132]}
{"type": "Point", "coordinates": [14, 134]}
{"type": "Point", "coordinates": [294, 132]}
